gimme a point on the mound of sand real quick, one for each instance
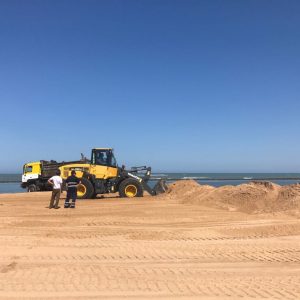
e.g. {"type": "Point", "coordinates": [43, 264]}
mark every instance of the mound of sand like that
{"type": "Point", "coordinates": [253, 197]}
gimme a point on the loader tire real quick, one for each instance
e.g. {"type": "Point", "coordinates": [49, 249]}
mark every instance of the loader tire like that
{"type": "Point", "coordinates": [130, 188]}
{"type": "Point", "coordinates": [85, 189]}
{"type": "Point", "coordinates": [32, 188]}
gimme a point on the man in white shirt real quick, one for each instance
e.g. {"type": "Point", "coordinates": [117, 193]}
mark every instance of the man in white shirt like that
{"type": "Point", "coordinates": [56, 182]}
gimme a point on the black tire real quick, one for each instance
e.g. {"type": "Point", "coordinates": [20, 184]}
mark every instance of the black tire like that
{"type": "Point", "coordinates": [32, 188]}
{"type": "Point", "coordinates": [85, 189]}
{"type": "Point", "coordinates": [130, 188]}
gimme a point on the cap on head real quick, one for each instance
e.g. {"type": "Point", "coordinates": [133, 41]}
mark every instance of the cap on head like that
{"type": "Point", "coordinates": [73, 172]}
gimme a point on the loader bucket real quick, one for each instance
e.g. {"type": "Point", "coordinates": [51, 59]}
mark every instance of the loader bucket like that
{"type": "Point", "coordinates": [160, 187]}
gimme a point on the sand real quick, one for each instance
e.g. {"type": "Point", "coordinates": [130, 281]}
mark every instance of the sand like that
{"type": "Point", "coordinates": [194, 242]}
{"type": "Point", "coordinates": [252, 198]}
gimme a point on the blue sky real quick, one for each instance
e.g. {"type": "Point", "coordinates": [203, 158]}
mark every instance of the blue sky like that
{"type": "Point", "coordinates": [194, 86]}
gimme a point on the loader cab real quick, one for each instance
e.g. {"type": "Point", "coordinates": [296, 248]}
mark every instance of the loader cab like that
{"type": "Point", "coordinates": [103, 163]}
{"type": "Point", "coordinates": [103, 157]}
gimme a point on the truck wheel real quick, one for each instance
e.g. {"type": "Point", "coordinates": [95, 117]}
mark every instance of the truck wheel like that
{"type": "Point", "coordinates": [32, 188]}
{"type": "Point", "coordinates": [130, 188]}
{"type": "Point", "coordinates": [85, 189]}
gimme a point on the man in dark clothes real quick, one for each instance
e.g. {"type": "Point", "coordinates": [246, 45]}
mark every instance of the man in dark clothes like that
{"type": "Point", "coordinates": [72, 182]}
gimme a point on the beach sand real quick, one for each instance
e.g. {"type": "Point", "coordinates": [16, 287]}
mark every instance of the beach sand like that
{"type": "Point", "coordinates": [174, 246]}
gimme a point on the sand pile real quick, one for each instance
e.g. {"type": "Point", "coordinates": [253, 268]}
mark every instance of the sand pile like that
{"type": "Point", "coordinates": [186, 190]}
{"type": "Point", "coordinates": [253, 197]}
{"type": "Point", "coordinates": [289, 197]}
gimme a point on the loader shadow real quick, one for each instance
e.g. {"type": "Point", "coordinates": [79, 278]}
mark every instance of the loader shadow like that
{"type": "Point", "coordinates": [112, 197]}
{"type": "Point", "coordinates": [96, 198]}
{"type": "Point", "coordinates": [105, 198]}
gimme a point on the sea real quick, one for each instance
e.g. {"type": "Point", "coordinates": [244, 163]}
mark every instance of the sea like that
{"type": "Point", "coordinates": [10, 183]}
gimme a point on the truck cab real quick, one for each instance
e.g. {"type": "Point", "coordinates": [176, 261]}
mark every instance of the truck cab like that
{"type": "Point", "coordinates": [31, 173]}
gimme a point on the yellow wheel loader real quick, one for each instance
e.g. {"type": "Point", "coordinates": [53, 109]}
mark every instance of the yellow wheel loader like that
{"type": "Point", "coordinates": [100, 175]}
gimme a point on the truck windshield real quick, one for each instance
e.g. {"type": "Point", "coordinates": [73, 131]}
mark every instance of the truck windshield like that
{"type": "Point", "coordinates": [103, 158]}
{"type": "Point", "coordinates": [27, 169]}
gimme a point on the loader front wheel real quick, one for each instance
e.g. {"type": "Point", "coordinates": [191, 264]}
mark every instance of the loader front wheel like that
{"type": "Point", "coordinates": [130, 188]}
{"type": "Point", "coordinates": [85, 189]}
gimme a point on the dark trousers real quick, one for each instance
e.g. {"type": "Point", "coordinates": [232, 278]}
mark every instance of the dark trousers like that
{"type": "Point", "coordinates": [71, 194]}
{"type": "Point", "coordinates": [55, 197]}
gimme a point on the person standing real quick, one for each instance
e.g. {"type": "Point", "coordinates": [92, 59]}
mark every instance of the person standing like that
{"type": "Point", "coordinates": [72, 183]}
{"type": "Point", "coordinates": [56, 182]}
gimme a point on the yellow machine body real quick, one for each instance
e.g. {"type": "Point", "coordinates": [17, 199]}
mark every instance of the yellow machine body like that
{"type": "Point", "coordinates": [100, 172]}
{"type": "Point", "coordinates": [100, 169]}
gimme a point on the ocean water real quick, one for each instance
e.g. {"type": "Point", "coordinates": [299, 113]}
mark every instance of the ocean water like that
{"type": "Point", "coordinates": [221, 179]}
{"type": "Point", "coordinates": [6, 178]}
{"type": "Point", "coordinates": [10, 183]}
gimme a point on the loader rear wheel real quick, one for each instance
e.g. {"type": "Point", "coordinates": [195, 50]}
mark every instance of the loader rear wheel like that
{"type": "Point", "coordinates": [130, 188]}
{"type": "Point", "coordinates": [85, 189]}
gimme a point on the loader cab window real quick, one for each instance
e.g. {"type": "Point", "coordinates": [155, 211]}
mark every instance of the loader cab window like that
{"type": "Point", "coordinates": [103, 158]}
{"type": "Point", "coordinates": [113, 161]}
